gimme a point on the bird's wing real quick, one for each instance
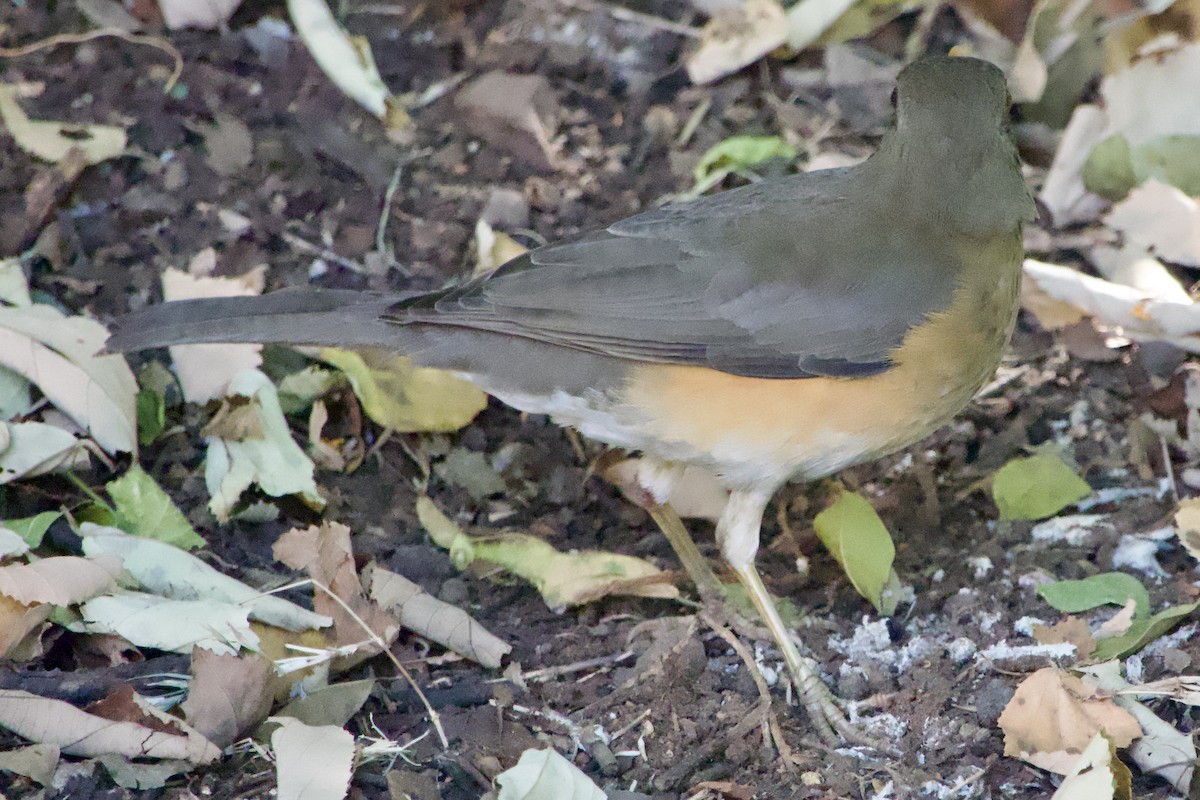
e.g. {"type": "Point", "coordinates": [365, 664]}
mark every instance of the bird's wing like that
{"type": "Point", "coordinates": [773, 280]}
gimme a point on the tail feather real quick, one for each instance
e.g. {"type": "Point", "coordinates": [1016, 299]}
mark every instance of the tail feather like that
{"type": "Point", "coordinates": [299, 317]}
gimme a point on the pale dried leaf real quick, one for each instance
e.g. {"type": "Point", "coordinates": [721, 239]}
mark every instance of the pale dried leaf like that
{"type": "Point", "coordinates": [78, 733]}
{"type": "Point", "coordinates": [312, 763]}
{"type": "Point", "coordinates": [208, 14]}
{"type": "Point", "coordinates": [1187, 525]}
{"type": "Point", "coordinates": [205, 370]}
{"type": "Point", "coordinates": [1162, 750]}
{"type": "Point", "coordinates": [739, 36]}
{"type": "Point", "coordinates": [271, 460]}
{"type": "Point", "coordinates": [59, 355]}
{"type": "Point", "coordinates": [347, 61]}
{"type": "Point", "coordinates": [51, 140]}
{"type": "Point", "coordinates": [1160, 217]}
{"type": "Point", "coordinates": [28, 449]}
{"type": "Point", "coordinates": [1118, 624]}
{"type": "Point", "coordinates": [1138, 315]}
{"type": "Point", "coordinates": [422, 613]}
{"type": "Point", "coordinates": [1096, 775]}
{"type": "Point", "coordinates": [36, 762]}
{"type": "Point", "coordinates": [166, 570]}
{"type": "Point", "coordinates": [545, 775]}
{"type": "Point", "coordinates": [148, 620]}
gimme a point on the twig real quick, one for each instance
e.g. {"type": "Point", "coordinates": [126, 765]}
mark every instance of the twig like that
{"type": "Point", "coordinates": [156, 42]}
{"type": "Point", "coordinates": [378, 641]}
{"type": "Point", "coordinates": [769, 722]}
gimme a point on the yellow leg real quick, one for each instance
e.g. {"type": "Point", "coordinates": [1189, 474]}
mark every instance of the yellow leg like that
{"type": "Point", "coordinates": [694, 563]}
{"type": "Point", "coordinates": [737, 533]}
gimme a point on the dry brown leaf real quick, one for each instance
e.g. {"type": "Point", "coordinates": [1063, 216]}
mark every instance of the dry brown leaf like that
{"type": "Point", "coordinates": [17, 621]}
{"type": "Point", "coordinates": [60, 580]}
{"type": "Point", "coordinates": [516, 113]}
{"type": "Point", "coordinates": [1054, 715]}
{"type": "Point", "coordinates": [228, 695]}
{"type": "Point", "coordinates": [326, 555]}
{"type": "Point", "coordinates": [1072, 630]}
{"type": "Point", "coordinates": [438, 621]}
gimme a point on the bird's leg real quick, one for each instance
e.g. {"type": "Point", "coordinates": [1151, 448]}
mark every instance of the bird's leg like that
{"type": "Point", "coordinates": [737, 534]}
{"type": "Point", "coordinates": [693, 561]}
{"type": "Point", "coordinates": [655, 481]}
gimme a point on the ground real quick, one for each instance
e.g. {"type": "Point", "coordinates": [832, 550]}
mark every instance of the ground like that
{"type": "Point", "coordinates": [262, 133]}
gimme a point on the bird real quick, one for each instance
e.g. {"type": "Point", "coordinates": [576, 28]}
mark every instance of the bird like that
{"type": "Point", "coordinates": [779, 331]}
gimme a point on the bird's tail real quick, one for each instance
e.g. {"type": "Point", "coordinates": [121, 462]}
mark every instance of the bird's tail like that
{"type": "Point", "coordinates": [297, 317]}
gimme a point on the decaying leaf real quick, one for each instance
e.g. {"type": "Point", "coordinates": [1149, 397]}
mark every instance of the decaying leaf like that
{"type": "Point", "coordinates": [1097, 774]}
{"type": "Point", "coordinates": [228, 694]}
{"type": "Point", "coordinates": [1163, 219]}
{"type": "Point", "coordinates": [76, 732]}
{"type": "Point", "coordinates": [562, 579]}
{"type": "Point", "coordinates": [347, 61]}
{"type": "Point", "coordinates": [403, 397]}
{"type": "Point", "coordinates": [59, 355]}
{"type": "Point", "coordinates": [164, 569]}
{"type": "Point", "coordinates": [325, 553]}
{"type": "Point", "coordinates": [190, 14]}
{"type": "Point", "coordinates": [273, 460]}
{"type": "Point", "coordinates": [148, 620]}
{"type": "Point", "coordinates": [59, 580]}
{"type": "Point", "coordinates": [28, 449]}
{"type": "Point", "coordinates": [735, 36]}
{"type": "Point", "coordinates": [1187, 525]}
{"type": "Point", "coordinates": [1161, 750]}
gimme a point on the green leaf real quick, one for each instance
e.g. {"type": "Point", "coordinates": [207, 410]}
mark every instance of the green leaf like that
{"type": "Point", "coordinates": [151, 416]}
{"type": "Point", "coordinates": [1141, 633]}
{"type": "Point", "coordinates": [1108, 588]}
{"type": "Point", "coordinates": [1108, 170]}
{"type": "Point", "coordinates": [1170, 159]}
{"type": "Point", "coordinates": [738, 153]}
{"type": "Point", "coordinates": [1036, 487]}
{"type": "Point", "coordinates": [144, 509]}
{"type": "Point", "coordinates": [856, 536]}
{"type": "Point", "coordinates": [298, 390]}
{"type": "Point", "coordinates": [31, 529]}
